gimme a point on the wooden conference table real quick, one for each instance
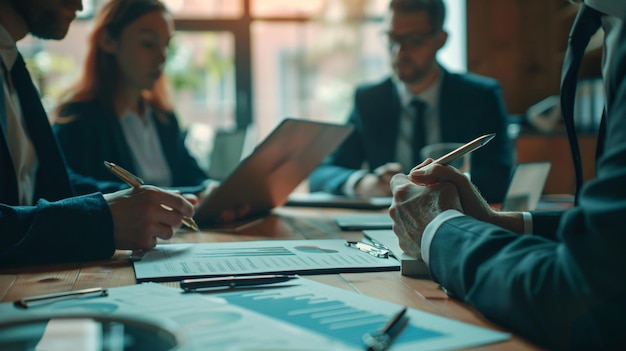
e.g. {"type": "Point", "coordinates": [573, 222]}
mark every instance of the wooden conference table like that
{"type": "Point", "coordinates": [285, 223]}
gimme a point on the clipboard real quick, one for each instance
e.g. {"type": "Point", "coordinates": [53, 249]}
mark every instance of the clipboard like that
{"type": "Point", "coordinates": [173, 262]}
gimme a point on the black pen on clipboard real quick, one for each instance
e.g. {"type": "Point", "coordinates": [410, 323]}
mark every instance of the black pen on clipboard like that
{"type": "Point", "coordinates": [190, 285]}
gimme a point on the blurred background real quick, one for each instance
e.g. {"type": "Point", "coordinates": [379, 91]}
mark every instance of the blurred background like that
{"type": "Point", "coordinates": [237, 64]}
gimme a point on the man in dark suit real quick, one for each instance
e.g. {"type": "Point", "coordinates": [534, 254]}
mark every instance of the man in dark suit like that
{"type": "Point", "coordinates": [563, 284]}
{"type": "Point", "coordinates": [40, 220]}
{"type": "Point", "coordinates": [453, 108]}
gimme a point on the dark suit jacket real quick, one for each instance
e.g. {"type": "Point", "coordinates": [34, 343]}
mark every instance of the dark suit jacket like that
{"type": "Point", "coordinates": [567, 290]}
{"type": "Point", "coordinates": [93, 134]}
{"type": "Point", "coordinates": [58, 228]}
{"type": "Point", "coordinates": [469, 107]}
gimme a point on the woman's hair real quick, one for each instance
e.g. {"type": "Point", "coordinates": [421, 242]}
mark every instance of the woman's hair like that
{"type": "Point", "coordinates": [99, 79]}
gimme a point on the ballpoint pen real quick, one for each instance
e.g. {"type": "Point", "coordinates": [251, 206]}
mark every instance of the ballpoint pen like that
{"type": "Point", "coordinates": [465, 149]}
{"type": "Point", "coordinates": [136, 182]}
{"type": "Point", "coordinates": [381, 339]}
{"type": "Point", "coordinates": [33, 301]}
{"type": "Point", "coordinates": [233, 281]}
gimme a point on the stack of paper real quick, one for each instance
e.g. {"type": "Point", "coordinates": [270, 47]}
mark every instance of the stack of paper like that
{"type": "Point", "coordinates": [301, 315]}
{"type": "Point", "coordinates": [409, 265]}
{"type": "Point", "coordinates": [179, 261]}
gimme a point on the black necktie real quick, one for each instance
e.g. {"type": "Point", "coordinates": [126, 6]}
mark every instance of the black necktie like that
{"type": "Point", "coordinates": [419, 129]}
{"type": "Point", "coordinates": [52, 181]}
{"type": "Point", "coordinates": [586, 24]}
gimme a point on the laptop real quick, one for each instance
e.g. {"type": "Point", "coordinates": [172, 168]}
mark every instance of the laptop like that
{"type": "Point", "coordinates": [523, 194]}
{"type": "Point", "coordinates": [265, 178]}
{"type": "Point", "coordinates": [526, 186]}
{"type": "Point", "coordinates": [229, 148]}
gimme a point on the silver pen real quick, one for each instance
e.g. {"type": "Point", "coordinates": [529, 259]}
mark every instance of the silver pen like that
{"type": "Point", "coordinates": [465, 149]}
{"type": "Point", "coordinates": [34, 301]}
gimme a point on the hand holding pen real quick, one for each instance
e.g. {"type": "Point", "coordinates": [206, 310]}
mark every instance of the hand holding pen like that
{"type": "Point", "coordinates": [140, 215]}
{"type": "Point", "coordinates": [136, 182]}
{"type": "Point", "coordinates": [464, 196]}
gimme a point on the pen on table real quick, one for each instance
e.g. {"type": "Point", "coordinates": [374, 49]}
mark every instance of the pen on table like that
{"type": "Point", "coordinates": [234, 281]}
{"type": "Point", "coordinates": [33, 301]}
{"type": "Point", "coordinates": [136, 182]}
{"type": "Point", "coordinates": [465, 149]}
{"type": "Point", "coordinates": [381, 339]}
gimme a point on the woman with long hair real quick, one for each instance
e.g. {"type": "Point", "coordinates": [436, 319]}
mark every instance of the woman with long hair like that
{"type": "Point", "coordinates": [119, 110]}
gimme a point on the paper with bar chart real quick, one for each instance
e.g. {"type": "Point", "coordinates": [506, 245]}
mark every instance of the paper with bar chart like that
{"type": "Point", "coordinates": [300, 315]}
{"type": "Point", "coordinates": [179, 261]}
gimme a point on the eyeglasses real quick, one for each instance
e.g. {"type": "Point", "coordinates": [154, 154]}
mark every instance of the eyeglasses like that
{"type": "Point", "coordinates": [410, 41]}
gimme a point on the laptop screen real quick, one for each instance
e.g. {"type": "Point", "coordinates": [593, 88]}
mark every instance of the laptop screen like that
{"type": "Point", "coordinates": [265, 178]}
{"type": "Point", "coordinates": [526, 186]}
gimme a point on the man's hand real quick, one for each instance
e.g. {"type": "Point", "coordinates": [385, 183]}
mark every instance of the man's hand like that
{"type": "Point", "coordinates": [377, 182]}
{"type": "Point", "coordinates": [430, 174]}
{"type": "Point", "coordinates": [414, 206]}
{"type": "Point", "coordinates": [142, 215]}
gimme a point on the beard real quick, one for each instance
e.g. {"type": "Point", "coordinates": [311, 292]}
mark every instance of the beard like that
{"type": "Point", "coordinates": [42, 23]}
{"type": "Point", "coordinates": [409, 73]}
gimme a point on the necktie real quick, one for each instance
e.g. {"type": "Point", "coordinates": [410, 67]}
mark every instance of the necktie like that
{"type": "Point", "coordinates": [52, 181]}
{"type": "Point", "coordinates": [419, 129]}
{"type": "Point", "coordinates": [586, 24]}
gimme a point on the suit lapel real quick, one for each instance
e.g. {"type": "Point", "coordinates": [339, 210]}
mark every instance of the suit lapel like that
{"type": "Point", "coordinates": [52, 179]}
{"type": "Point", "coordinates": [386, 112]}
{"type": "Point", "coordinates": [118, 143]}
{"type": "Point", "coordinates": [8, 182]}
{"type": "Point", "coordinates": [449, 109]}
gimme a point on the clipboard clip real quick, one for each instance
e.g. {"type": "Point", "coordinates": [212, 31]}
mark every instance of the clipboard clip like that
{"type": "Point", "coordinates": [374, 250]}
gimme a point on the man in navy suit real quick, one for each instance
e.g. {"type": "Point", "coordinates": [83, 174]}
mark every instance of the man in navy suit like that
{"type": "Point", "coordinates": [455, 108]}
{"type": "Point", "coordinates": [40, 220]}
{"type": "Point", "coordinates": [558, 279]}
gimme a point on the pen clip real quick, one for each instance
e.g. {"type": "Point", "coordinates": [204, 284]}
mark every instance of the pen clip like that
{"type": "Point", "coordinates": [370, 249]}
{"type": "Point", "coordinates": [34, 301]}
{"type": "Point", "coordinates": [379, 245]}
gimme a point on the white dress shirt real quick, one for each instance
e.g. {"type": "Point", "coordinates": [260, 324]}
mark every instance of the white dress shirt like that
{"type": "Point", "coordinates": [407, 118]}
{"type": "Point", "coordinates": [145, 146]}
{"type": "Point", "coordinates": [21, 148]}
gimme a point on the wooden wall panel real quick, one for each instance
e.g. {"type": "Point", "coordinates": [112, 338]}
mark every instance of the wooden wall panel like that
{"type": "Point", "coordinates": [521, 43]}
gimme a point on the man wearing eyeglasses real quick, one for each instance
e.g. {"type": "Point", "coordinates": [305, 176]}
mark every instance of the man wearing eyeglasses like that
{"type": "Point", "coordinates": [452, 108]}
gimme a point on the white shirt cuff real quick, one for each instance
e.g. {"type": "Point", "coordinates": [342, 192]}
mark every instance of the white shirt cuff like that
{"type": "Point", "coordinates": [431, 230]}
{"type": "Point", "coordinates": [348, 186]}
{"type": "Point", "coordinates": [528, 222]}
